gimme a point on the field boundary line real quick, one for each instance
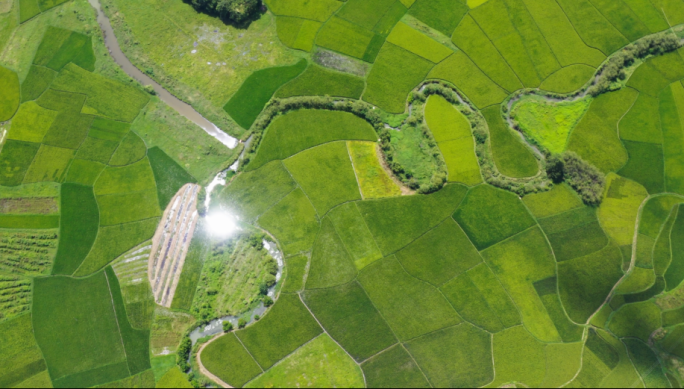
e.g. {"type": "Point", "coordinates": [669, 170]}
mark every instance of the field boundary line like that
{"type": "Point", "coordinates": [246, 349]}
{"type": "Point", "coordinates": [204, 370]}
{"type": "Point", "coordinates": [351, 160]}
{"type": "Point", "coordinates": [109, 287]}
{"type": "Point", "coordinates": [333, 339]}
{"type": "Point", "coordinates": [417, 365]}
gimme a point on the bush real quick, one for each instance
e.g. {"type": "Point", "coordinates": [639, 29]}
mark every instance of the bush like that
{"type": "Point", "coordinates": [554, 168]}
{"type": "Point", "coordinates": [480, 136]}
{"type": "Point", "coordinates": [268, 301]}
{"type": "Point", "coordinates": [257, 317]}
{"type": "Point", "coordinates": [584, 177]}
{"type": "Point", "coordinates": [242, 323]}
{"type": "Point", "coordinates": [150, 89]}
{"type": "Point", "coordinates": [183, 354]}
{"type": "Point", "coordinates": [227, 326]}
{"type": "Point", "coordinates": [231, 11]}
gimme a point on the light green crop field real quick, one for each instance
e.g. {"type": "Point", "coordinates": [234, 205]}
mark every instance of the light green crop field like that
{"type": "Point", "coordinates": [394, 152]}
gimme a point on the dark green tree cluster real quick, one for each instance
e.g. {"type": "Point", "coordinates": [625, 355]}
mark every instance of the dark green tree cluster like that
{"type": "Point", "coordinates": [230, 11]}
{"type": "Point", "coordinates": [183, 354]}
{"type": "Point", "coordinates": [582, 176]}
{"type": "Point", "coordinates": [614, 70]}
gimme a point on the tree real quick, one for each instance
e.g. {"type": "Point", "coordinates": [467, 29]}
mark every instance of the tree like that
{"type": "Point", "coordinates": [242, 323]}
{"type": "Point", "coordinates": [227, 326]}
{"type": "Point", "coordinates": [268, 301]}
{"type": "Point", "coordinates": [230, 11]}
{"type": "Point", "coordinates": [555, 168]}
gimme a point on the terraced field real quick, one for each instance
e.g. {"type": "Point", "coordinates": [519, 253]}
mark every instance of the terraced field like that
{"type": "Point", "coordinates": [480, 193]}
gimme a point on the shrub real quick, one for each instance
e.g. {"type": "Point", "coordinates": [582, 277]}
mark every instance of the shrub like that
{"type": "Point", "coordinates": [227, 326]}
{"type": "Point", "coordinates": [480, 136]}
{"type": "Point", "coordinates": [584, 177]}
{"type": "Point", "coordinates": [235, 11]}
{"type": "Point", "coordinates": [268, 301]}
{"type": "Point", "coordinates": [554, 168]}
{"type": "Point", "coordinates": [257, 317]}
{"type": "Point", "coordinates": [242, 323]}
{"type": "Point", "coordinates": [183, 354]}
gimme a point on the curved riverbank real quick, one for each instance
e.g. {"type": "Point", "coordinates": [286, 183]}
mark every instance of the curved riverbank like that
{"type": "Point", "coordinates": [172, 101]}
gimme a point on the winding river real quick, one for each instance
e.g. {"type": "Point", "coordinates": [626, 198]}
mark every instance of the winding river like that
{"type": "Point", "coordinates": [172, 101]}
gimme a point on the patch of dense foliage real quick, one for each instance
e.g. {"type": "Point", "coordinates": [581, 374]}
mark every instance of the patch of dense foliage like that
{"type": "Point", "coordinates": [230, 11]}
{"type": "Point", "coordinates": [582, 176]}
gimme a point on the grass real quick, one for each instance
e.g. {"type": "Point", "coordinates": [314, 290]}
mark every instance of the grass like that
{"type": "Point", "coordinates": [518, 262]}
{"type": "Point", "coordinates": [501, 27]}
{"type": "Point", "coordinates": [460, 70]}
{"type": "Point", "coordinates": [675, 272]}
{"type": "Point", "coordinates": [106, 129]}
{"type": "Point", "coordinates": [618, 211]}
{"type": "Point", "coordinates": [331, 264]}
{"type": "Point", "coordinates": [9, 102]}
{"type": "Point", "coordinates": [36, 82]}
{"type": "Point", "coordinates": [560, 34]}
{"type": "Point", "coordinates": [511, 156]}
{"type": "Point", "coordinates": [227, 359]}
{"type": "Point", "coordinates": [509, 345]}
{"type": "Point", "coordinates": [112, 241]}
{"type": "Point", "coordinates": [257, 90]}
{"type": "Point", "coordinates": [560, 199]}
{"type": "Point", "coordinates": [28, 9]}
{"type": "Point", "coordinates": [355, 235]}
{"type": "Point", "coordinates": [672, 114]}
{"type": "Point", "coordinates": [414, 152]}
{"type": "Point", "coordinates": [106, 98]}
{"type": "Point", "coordinates": [132, 149]}
{"type": "Point", "coordinates": [29, 221]}
{"type": "Point", "coordinates": [20, 353]}
{"type": "Point", "coordinates": [489, 215]}
{"type": "Point", "coordinates": [319, 11]}
{"type": "Point", "coordinates": [593, 27]}
{"type": "Point", "coordinates": [344, 37]}
{"type": "Point", "coordinates": [645, 165]}
{"type": "Point", "coordinates": [393, 368]}
{"type": "Point", "coordinates": [15, 160]}
{"type": "Point", "coordinates": [253, 193]}
{"type": "Point", "coordinates": [297, 131]}
{"type": "Point", "coordinates": [313, 168]}
{"type": "Point", "coordinates": [174, 378]}
{"type": "Point", "coordinates": [68, 130]}
{"type": "Point", "coordinates": [568, 79]}
{"type": "Point", "coordinates": [196, 151]}
{"type": "Point", "coordinates": [473, 41]}
{"type": "Point", "coordinates": [459, 356]}
{"type": "Point", "coordinates": [387, 84]}
{"type": "Point", "coordinates": [595, 136]}
{"type": "Point", "coordinates": [97, 150]}
{"type": "Point", "coordinates": [319, 81]}
{"type": "Point", "coordinates": [319, 363]}
{"type": "Point", "coordinates": [31, 123]}
{"type": "Point", "coordinates": [168, 175]}
{"type": "Point", "coordinates": [81, 312]}
{"type": "Point", "coordinates": [637, 320]}
{"type": "Point", "coordinates": [352, 320]}
{"type": "Point", "coordinates": [78, 230]}
{"type": "Point", "coordinates": [549, 124]}
{"type": "Point", "coordinates": [374, 181]}
{"type": "Point", "coordinates": [396, 222]}
{"type": "Point", "coordinates": [21, 258]}
{"type": "Point", "coordinates": [584, 283]}
{"type": "Point", "coordinates": [418, 43]}
{"type": "Point", "coordinates": [131, 178]}
{"type": "Point", "coordinates": [451, 130]}
{"type": "Point", "coordinates": [50, 164]}
{"type": "Point", "coordinates": [128, 207]}
{"type": "Point", "coordinates": [411, 307]}
{"type": "Point", "coordinates": [296, 269]}
{"type": "Point", "coordinates": [77, 49]}
{"type": "Point", "coordinates": [192, 269]}
{"type": "Point", "coordinates": [289, 322]}
{"type": "Point", "coordinates": [439, 255]}
{"type": "Point", "coordinates": [642, 122]}
{"type": "Point", "coordinates": [363, 13]}
{"type": "Point", "coordinates": [293, 221]}
{"type": "Point", "coordinates": [442, 15]}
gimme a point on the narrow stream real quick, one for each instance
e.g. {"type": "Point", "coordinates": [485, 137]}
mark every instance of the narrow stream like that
{"type": "Point", "coordinates": [172, 101]}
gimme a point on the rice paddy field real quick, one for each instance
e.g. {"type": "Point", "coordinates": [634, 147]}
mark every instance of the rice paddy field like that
{"type": "Point", "coordinates": [400, 158]}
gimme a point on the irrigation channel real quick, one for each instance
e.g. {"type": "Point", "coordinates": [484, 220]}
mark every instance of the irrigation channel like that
{"type": "Point", "coordinates": [172, 101]}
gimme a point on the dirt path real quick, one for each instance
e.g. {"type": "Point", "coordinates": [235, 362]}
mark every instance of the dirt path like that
{"type": "Point", "coordinates": [204, 370]}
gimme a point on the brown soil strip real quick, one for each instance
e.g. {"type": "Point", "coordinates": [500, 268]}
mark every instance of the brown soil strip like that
{"type": "Point", "coordinates": [204, 370]}
{"type": "Point", "coordinates": [36, 205]}
{"type": "Point", "coordinates": [405, 190]}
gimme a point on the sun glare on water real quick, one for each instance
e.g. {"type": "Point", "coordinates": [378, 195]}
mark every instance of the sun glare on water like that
{"type": "Point", "coordinates": [222, 223]}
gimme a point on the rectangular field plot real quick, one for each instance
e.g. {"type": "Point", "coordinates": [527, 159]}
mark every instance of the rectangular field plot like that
{"type": "Point", "coordinates": [410, 307]}
{"type": "Point", "coordinates": [319, 81]}
{"type": "Point", "coordinates": [511, 156]}
{"type": "Point", "coordinates": [50, 164]}
{"type": "Point", "coordinates": [344, 37]}
{"type": "Point", "coordinates": [288, 322]}
{"type": "Point", "coordinates": [672, 116]}
{"type": "Point", "coordinates": [352, 320]}
{"type": "Point", "coordinates": [15, 159]}
{"type": "Point", "coordinates": [593, 27]}
{"type": "Point", "coordinates": [331, 264]}
{"type": "Point", "coordinates": [227, 359]}
{"type": "Point", "coordinates": [31, 123]}
{"type": "Point", "coordinates": [374, 181]}
{"type": "Point", "coordinates": [36, 82]}
{"type": "Point", "coordinates": [363, 12]}
{"type": "Point", "coordinates": [80, 218]}
{"type": "Point", "coordinates": [27, 252]}
{"type": "Point", "coordinates": [28, 9]}
{"type": "Point", "coordinates": [389, 84]}
{"type": "Point", "coordinates": [128, 207]}
{"type": "Point", "coordinates": [393, 368]}
{"type": "Point", "coordinates": [326, 175]}
{"type": "Point", "coordinates": [442, 15]}
{"type": "Point", "coordinates": [21, 358]}
{"type": "Point", "coordinates": [131, 178]}
{"type": "Point", "coordinates": [68, 130]}
{"type": "Point", "coordinates": [297, 33]}
{"type": "Point", "coordinates": [418, 43]}
{"type": "Point", "coordinates": [320, 10]}
{"type": "Point", "coordinates": [645, 165]}
{"type": "Point", "coordinates": [355, 235]}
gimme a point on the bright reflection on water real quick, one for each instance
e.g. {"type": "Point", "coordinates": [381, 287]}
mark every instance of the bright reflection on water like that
{"type": "Point", "coordinates": [222, 223]}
